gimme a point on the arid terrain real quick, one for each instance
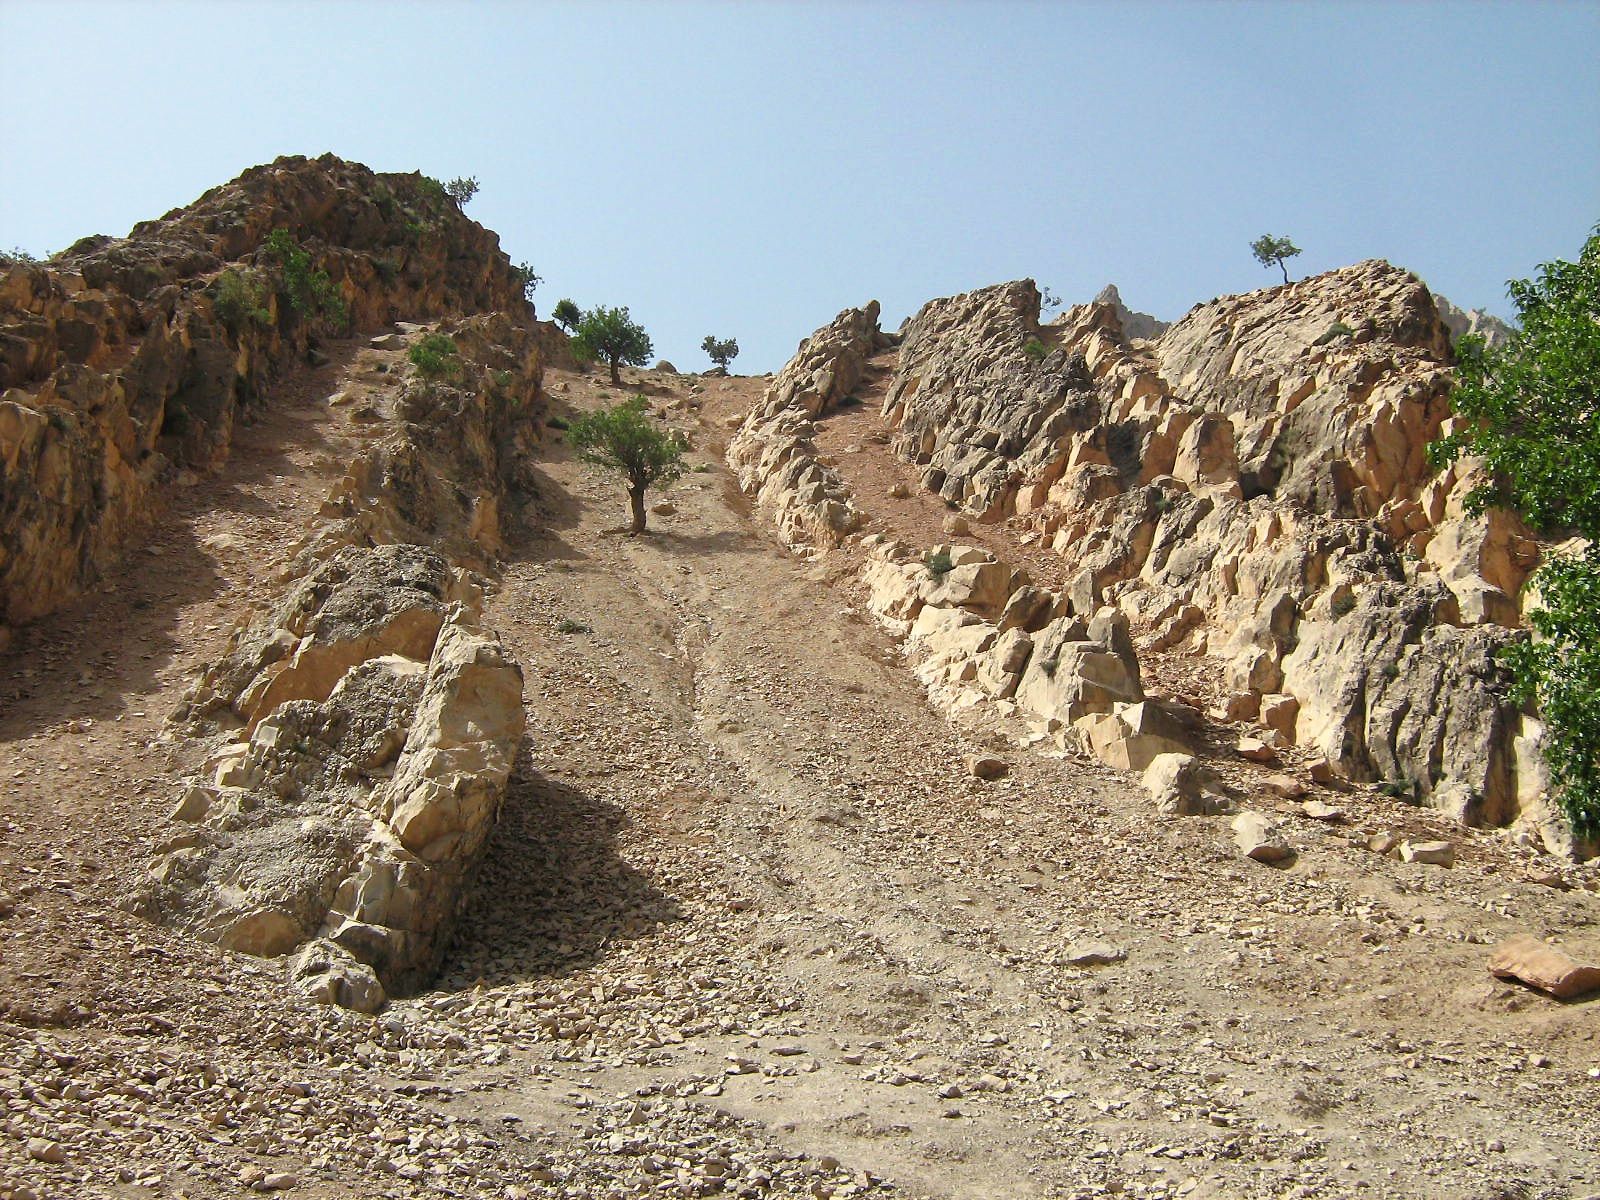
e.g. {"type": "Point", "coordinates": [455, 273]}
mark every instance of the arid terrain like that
{"type": "Point", "coordinates": [757, 917]}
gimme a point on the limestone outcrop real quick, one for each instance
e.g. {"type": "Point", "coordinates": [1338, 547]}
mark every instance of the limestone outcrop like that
{"type": "Point", "coordinates": [355, 741]}
{"type": "Point", "coordinates": [126, 360]}
{"type": "Point", "coordinates": [1252, 486]}
{"type": "Point", "coordinates": [774, 450]}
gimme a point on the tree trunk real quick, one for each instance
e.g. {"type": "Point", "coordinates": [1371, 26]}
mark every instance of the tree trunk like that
{"type": "Point", "coordinates": [636, 499]}
{"type": "Point", "coordinates": [616, 379]}
{"type": "Point", "coordinates": [1281, 267]}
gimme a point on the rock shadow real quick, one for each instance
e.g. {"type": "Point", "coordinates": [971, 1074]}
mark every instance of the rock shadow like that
{"type": "Point", "coordinates": [552, 892]}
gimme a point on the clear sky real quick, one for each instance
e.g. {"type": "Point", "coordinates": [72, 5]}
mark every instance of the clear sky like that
{"type": "Point", "coordinates": [749, 169]}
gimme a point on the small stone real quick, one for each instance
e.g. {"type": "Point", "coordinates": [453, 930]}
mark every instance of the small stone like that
{"type": "Point", "coordinates": [278, 1181]}
{"type": "Point", "coordinates": [1255, 750]}
{"type": "Point", "coordinates": [663, 508]}
{"type": "Point", "coordinates": [1093, 954]}
{"type": "Point", "coordinates": [987, 767]}
{"type": "Point", "coordinates": [1436, 854]}
{"type": "Point", "coordinates": [788, 1051]}
{"type": "Point", "coordinates": [951, 1091]}
{"type": "Point", "coordinates": [1286, 787]}
{"type": "Point", "coordinates": [1321, 770]}
{"type": "Point", "coordinates": [898, 491]}
{"type": "Point", "coordinates": [1318, 811]}
{"type": "Point", "coordinates": [1383, 842]}
{"type": "Point", "coordinates": [1542, 966]}
{"type": "Point", "coordinates": [45, 1151]}
{"type": "Point", "coordinates": [1258, 838]}
{"type": "Point", "coordinates": [956, 525]}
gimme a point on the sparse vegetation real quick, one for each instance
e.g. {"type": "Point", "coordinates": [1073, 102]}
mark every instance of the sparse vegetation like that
{"type": "Point", "coordinates": [461, 190]}
{"type": "Point", "coordinates": [939, 564]}
{"type": "Point", "coordinates": [566, 314]}
{"type": "Point", "coordinates": [573, 625]}
{"type": "Point", "coordinates": [523, 276]}
{"type": "Point", "coordinates": [309, 291]}
{"type": "Point", "coordinates": [15, 255]}
{"type": "Point", "coordinates": [1269, 250]}
{"type": "Point", "coordinates": [623, 439]}
{"type": "Point", "coordinates": [241, 298]}
{"type": "Point", "coordinates": [721, 352]}
{"type": "Point", "coordinates": [611, 334]}
{"type": "Point", "coordinates": [1034, 349]}
{"type": "Point", "coordinates": [1337, 330]}
{"type": "Point", "coordinates": [1531, 410]}
{"type": "Point", "coordinates": [435, 356]}
{"type": "Point", "coordinates": [558, 423]}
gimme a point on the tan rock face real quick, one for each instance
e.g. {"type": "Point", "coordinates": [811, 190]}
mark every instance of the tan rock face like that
{"type": "Point", "coordinates": [118, 368]}
{"type": "Point", "coordinates": [774, 452]}
{"type": "Point", "coordinates": [1252, 486]}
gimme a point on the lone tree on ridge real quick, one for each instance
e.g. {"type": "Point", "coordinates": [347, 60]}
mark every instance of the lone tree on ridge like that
{"type": "Point", "coordinates": [721, 352]}
{"type": "Point", "coordinates": [566, 314]}
{"type": "Point", "coordinates": [611, 334]}
{"type": "Point", "coordinates": [462, 190]}
{"type": "Point", "coordinates": [1269, 250]}
{"type": "Point", "coordinates": [625, 440]}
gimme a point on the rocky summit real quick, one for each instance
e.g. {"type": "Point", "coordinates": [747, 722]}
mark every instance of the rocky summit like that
{"type": "Point", "coordinates": [1023, 757]}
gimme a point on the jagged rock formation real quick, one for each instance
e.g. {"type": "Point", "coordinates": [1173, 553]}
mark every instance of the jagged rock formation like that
{"type": "Point", "coordinates": [361, 733]}
{"type": "Point", "coordinates": [774, 451]}
{"type": "Point", "coordinates": [1251, 486]}
{"type": "Point", "coordinates": [1134, 324]}
{"type": "Point", "coordinates": [124, 360]}
{"type": "Point", "coordinates": [1461, 322]}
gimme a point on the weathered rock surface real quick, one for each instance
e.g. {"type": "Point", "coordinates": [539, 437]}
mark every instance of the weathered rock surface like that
{"type": "Point", "coordinates": [774, 451]}
{"type": "Point", "coordinates": [1251, 486]}
{"type": "Point", "coordinates": [1542, 966]}
{"type": "Point", "coordinates": [124, 360]}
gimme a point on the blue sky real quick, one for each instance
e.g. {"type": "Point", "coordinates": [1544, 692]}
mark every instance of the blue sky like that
{"type": "Point", "coordinates": [749, 169]}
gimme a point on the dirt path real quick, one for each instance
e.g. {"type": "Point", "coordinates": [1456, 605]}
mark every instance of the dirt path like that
{"type": "Point", "coordinates": [748, 925]}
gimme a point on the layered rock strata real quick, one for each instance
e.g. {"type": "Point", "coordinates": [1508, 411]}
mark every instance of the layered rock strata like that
{"type": "Point", "coordinates": [126, 360]}
{"type": "Point", "coordinates": [1251, 486]}
{"type": "Point", "coordinates": [774, 450]}
{"type": "Point", "coordinates": [358, 738]}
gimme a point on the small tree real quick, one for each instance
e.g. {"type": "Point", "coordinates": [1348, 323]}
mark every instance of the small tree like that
{"type": "Point", "coordinates": [721, 352]}
{"type": "Point", "coordinates": [1269, 250]}
{"type": "Point", "coordinates": [566, 314]}
{"type": "Point", "coordinates": [625, 440]}
{"type": "Point", "coordinates": [462, 190]}
{"type": "Point", "coordinates": [611, 334]}
{"type": "Point", "coordinates": [1531, 409]}
{"type": "Point", "coordinates": [524, 277]}
{"type": "Point", "coordinates": [435, 356]}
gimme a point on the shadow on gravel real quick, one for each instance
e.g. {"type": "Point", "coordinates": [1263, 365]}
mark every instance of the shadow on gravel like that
{"type": "Point", "coordinates": [722, 542]}
{"type": "Point", "coordinates": [552, 892]}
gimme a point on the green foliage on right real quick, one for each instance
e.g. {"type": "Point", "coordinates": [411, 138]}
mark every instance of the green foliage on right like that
{"type": "Point", "coordinates": [435, 356]}
{"type": "Point", "coordinates": [1531, 410]}
{"type": "Point", "coordinates": [722, 352]}
{"type": "Point", "coordinates": [309, 291]}
{"type": "Point", "coordinates": [1269, 250]}
{"type": "Point", "coordinates": [566, 314]}
{"type": "Point", "coordinates": [623, 439]}
{"type": "Point", "coordinates": [462, 190]}
{"type": "Point", "coordinates": [611, 334]}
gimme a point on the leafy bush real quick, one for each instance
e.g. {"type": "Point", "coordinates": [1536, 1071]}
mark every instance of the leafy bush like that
{"type": "Point", "coordinates": [558, 423]}
{"type": "Point", "coordinates": [462, 190]}
{"type": "Point", "coordinates": [573, 625]}
{"type": "Point", "coordinates": [1531, 410]}
{"type": "Point", "coordinates": [1034, 349]}
{"type": "Point", "coordinates": [624, 439]}
{"type": "Point", "coordinates": [433, 193]}
{"type": "Point", "coordinates": [240, 299]}
{"type": "Point", "coordinates": [435, 356]}
{"type": "Point", "coordinates": [310, 292]}
{"type": "Point", "coordinates": [1337, 330]}
{"type": "Point", "coordinates": [939, 564]}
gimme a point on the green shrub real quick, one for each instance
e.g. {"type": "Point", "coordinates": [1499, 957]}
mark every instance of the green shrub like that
{"type": "Point", "coordinates": [1337, 330]}
{"type": "Point", "coordinates": [461, 190]}
{"type": "Point", "coordinates": [566, 314]}
{"type": "Point", "coordinates": [1034, 349]}
{"type": "Point", "coordinates": [523, 277]}
{"type": "Point", "coordinates": [939, 564]}
{"type": "Point", "coordinates": [1531, 410]}
{"type": "Point", "coordinates": [434, 194]}
{"type": "Point", "coordinates": [240, 299]}
{"type": "Point", "coordinates": [15, 255]}
{"type": "Point", "coordinates": [557, 423]}
{"type": "Point", "coordinates": [435, 356]}
{"type": "Point", "coordinates": [572, 625]}
{"type": "Point", "coordinates": [309, 291]}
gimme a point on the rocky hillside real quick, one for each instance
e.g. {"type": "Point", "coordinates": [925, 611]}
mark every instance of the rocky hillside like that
{"type": "Point", "coordinates": [126, 362]}
{"type": "Point", "coordinates": [1248, 492]}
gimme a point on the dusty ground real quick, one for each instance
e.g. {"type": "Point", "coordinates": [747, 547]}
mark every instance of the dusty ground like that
{"type": "Point", "coordinates": [748, 926]}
